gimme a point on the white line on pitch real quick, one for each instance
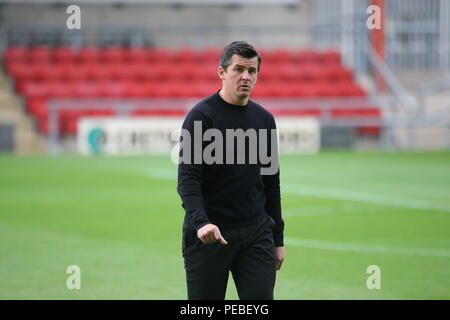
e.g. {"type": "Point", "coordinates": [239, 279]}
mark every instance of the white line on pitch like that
{"type": "Point", "coordinates": [340, 194]}
{"type": "Point", "coordinates": [345, 207]}
{"type": "Point", "coordinates": [338, 246]}
{"type": "Point", "coordinates": [364, 197]}
{"type": "Point", "coordinates": [162, 174]}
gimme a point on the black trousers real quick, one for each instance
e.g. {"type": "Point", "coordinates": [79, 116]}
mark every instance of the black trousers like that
{"type": "Point", "coordinates": [249, 255]}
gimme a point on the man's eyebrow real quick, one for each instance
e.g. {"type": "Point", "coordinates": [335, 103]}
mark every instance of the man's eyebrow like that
{"type": "Point", "coordinates": [243, 66]}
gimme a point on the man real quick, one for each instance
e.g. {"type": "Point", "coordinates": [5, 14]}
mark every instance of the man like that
{"type": "Point", "coordinates": [233, 212]}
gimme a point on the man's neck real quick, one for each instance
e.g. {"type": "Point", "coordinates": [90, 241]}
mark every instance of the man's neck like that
{"type": "Point", "coordinates": [233, 100]}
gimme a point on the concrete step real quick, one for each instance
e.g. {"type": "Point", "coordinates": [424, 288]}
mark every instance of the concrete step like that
{"type": "Point", "coordinates": [27, 140]}
{"type": "Point", "coordinates": [5, 82]}
{"type": "Point", "coordinates": [10, 115]}
{"type": "Point", "coordinates": [423, 137]}
{"type": "Point", "coordinates": [411, 80]}
{"type": "Point", "coordinates": [7, 100]}
{"type": "Point", "coordinates": [426, 135]}
{"type": "Point", "coordinates": [439, 102]}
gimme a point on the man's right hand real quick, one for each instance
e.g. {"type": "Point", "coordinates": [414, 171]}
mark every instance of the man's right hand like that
{"type": "Point", "coordinates": [210, 233]}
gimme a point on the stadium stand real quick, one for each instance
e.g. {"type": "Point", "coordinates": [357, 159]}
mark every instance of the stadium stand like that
{"type": "Point", "coordinates": [44, 72]}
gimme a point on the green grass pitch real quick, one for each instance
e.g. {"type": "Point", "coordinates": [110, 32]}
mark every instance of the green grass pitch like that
{"type": "Point", "coordinates": [119, 219]}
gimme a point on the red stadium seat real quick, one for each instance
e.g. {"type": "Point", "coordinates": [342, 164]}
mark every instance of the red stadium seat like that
{"type": "Point", "coordinates": [89, 54]}
{"type": "Point", "coordinates": [259, 90]}
{"type": "Point", "coordinates": [151, 88]}
{"type": "Point", "coordinates": [306, 90]}
{"type": "Point", "coordinates": [278, 89]}
{"type": "Point", "coordinates": [185, 56]}
{"type": "Point", "coordinates": [164, 71]}
{"type": "Point", "coordinates": [338, 73]}
{"type": "Point", "coordinates": [121, 71]}
{"type": "Point", "coordinates": [174, 89]}
{"type": "Point", "coordinates": [111, 89]}
{"type": "Point", "coordinates": [325, 89]}
{"type": "Point", "coordinates": [288, 71]}
{"type": "Point", "coordinates": [35, 89]}
{"type": "Point", "coordinates": [86, 89]}
{"type": "Point", "coordinates": [138, 55]}
{"type": "Point", "coordinates": [189, 72]}
{"type": "Point", "coordinates": [41, 54]}
{"type": "Point", "coordinates": [158, 112]}
{"type": "Point", "coordinates": [70, 125]}
{"type": "Point", "coordinates": [21, 74]}
{"type": "Point", "coordinates": [79, 72]}
{"type": "Point", "coordinates": [59, 89]}
{"type": "Point", "coordinates": [64, 71]}
{"type": "Point", "coordinates": [268, 72]}
{"type": "Point", "coordinates": [52, 72]}
{"type": "Point", "coordinates": [98, 112]}
{"type": "Point", "coordinates": [283, 55]}
{"type": "Point", "coordinates": [37, 106]}
{"type": "Point", "coordinates": [210, 55]}
{"type": "Point", "coordinates": [330, 57]}
{"type": "Point", "coordinates": [207, 71]}
{"type": "Point", "coordinates": [113, 54]}
{"type": "Point", "coordinates": [311, 112]}
{"type": "Point", "coordinates": [309, 73]}
{"type": "Point", "coordinates": [203, 88]}
{"type": "Point", "coordinates": [65, 55]}
{"type": "Point", "coordinates": [355, 111]}
{"type": "Point", "coordinates": [40, 70]}
{"type": "Point", "coordinates": [268, 57]}
{"type": "Point", "coordinates": [351, 89]}
{"type": "Point", "coordinates": [137, 89]}
{"type": "Point", "coordinates": [307, 57]}
{"type": "Point", "coordinates": [99, 72]}
{"type": "Point", "coordinates": [144, 72]}
{"type": "Point", "coordinates": [162, 55]}
{"type": "Point", "coordinates": [16, 54]}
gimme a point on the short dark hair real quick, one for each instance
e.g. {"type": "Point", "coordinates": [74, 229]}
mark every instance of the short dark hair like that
{"type": "Point", "coordinates": [241, 48]}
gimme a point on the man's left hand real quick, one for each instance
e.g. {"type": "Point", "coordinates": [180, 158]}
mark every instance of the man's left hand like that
{"type": "Point", "coordinates": [279, 254]}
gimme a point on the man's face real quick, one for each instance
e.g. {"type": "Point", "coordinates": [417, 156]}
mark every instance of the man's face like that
{"type": "Point", "coordinates": [240, 77]}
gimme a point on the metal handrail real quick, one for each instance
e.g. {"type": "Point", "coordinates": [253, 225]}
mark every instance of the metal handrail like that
{"type": "Point", "coordinates": [397, 89]}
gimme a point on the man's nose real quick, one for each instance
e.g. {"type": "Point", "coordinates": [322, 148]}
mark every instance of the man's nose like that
{"type": "Point", "coordinates": [245, 75]}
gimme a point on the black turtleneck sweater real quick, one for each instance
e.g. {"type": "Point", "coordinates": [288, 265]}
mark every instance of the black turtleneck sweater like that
{"type": "Point", "coordinates": [228, 195]}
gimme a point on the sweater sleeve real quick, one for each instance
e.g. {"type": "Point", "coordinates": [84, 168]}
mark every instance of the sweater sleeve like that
{"type": "Point", "coordinates": [190, 174]}
{"type": "Point", "coordinates": [273, 198]}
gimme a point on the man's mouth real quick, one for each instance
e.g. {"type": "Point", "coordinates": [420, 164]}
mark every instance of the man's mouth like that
{"type": "Point", "coordinates": [245, 86]}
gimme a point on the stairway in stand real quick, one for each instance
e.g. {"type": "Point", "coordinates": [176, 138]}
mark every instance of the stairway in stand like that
{"type": "Point", "coordinates": [26, 138]}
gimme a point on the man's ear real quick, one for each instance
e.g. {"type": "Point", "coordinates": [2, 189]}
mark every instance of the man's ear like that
{"type": "Point", "coordinates": [220, 72]}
